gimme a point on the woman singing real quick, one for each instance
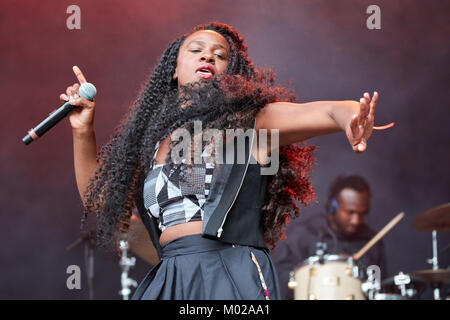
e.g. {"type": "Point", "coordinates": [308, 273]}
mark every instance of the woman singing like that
{"type": "Point", "coordinates": [212, 223]}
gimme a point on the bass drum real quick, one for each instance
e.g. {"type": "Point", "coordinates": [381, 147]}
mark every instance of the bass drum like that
{"type": "Point", "coordinates": [330, 277]}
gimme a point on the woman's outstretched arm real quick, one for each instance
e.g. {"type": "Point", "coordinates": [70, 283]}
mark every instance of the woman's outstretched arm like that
{"type": "Point", "coordinates": [300, 121]}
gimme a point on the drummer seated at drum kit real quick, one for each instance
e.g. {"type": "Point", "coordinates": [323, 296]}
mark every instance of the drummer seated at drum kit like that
{"type": "Point", "coordinates": [339, 233]}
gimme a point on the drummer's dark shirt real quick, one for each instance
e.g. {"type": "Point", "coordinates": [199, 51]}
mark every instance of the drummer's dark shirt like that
{"type": "Point", "coordinates": [302, 236]}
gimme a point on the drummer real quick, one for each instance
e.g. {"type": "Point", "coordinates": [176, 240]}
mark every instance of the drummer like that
{"type": "Point", "coordinates": [342, 228]}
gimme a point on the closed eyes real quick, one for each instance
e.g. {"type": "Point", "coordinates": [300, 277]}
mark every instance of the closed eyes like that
{"type": "Point", "coordinates": [216, 54]}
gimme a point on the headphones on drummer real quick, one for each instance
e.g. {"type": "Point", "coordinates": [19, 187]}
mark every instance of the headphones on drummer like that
{"type": "Point", "coordinates": [332, 206]}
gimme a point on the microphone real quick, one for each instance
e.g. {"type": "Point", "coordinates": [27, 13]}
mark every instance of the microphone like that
{"type": "Point", "coordinates": [87, 90]}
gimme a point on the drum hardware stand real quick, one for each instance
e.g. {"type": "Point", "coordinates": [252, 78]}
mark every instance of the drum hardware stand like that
{"type": "Point", "coordinates": [89, 247]}
{"type": "Point", "coordinates": [126, 264]}
{"type": "Point", "coordinates": [354, 268]}
{"type": "Point", "coordinates": [401, 280]}
{"type": "Point", "coordinates": [292, 283]}
{"type": "Point", "coordinates": [434, 262]}
{"type": "Point", "coordinates": [372, 286]}
{"type": "Point", "coordinates": [321, 248]}
{"type": "Point", "coordinates": [434, 220]}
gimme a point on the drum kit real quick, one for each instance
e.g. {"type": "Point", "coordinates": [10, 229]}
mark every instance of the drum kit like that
{"type": "Point", "coordinates": [340, 277]}
{"type": "Point", "coordinates": [322, 276]}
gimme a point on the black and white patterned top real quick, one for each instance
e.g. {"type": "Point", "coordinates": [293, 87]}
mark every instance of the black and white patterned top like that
{"type": "Point", "coordinates": [173, 199]}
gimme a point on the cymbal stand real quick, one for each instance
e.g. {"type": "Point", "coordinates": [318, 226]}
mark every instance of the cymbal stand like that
{"type": "Point", "coordinates": [434, 262]}
{"type": "Point", "coordinates": [126, 264]}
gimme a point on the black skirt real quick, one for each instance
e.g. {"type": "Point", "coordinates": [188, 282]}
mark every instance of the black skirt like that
{"type": "Point", "coordinates": [196, 268]}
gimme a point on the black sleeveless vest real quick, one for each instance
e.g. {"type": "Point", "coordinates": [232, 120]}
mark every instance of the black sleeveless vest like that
{"type": "Point", "coordinates": [232, 212]}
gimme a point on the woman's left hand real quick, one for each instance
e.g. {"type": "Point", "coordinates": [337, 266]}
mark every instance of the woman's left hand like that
{"type": "Point", "coordinates": [361, 124]}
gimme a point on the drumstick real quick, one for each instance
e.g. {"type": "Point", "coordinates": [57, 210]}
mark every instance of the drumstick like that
{"type": "Point", "coordinates": [378, 236]}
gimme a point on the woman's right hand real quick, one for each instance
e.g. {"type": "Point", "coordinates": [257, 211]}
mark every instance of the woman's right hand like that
{"type": "Point", "coordinates": [81, 118]}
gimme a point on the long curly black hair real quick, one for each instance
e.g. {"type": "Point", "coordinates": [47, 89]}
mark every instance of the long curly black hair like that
{"type": "Point", "coordinates": [229, 100]}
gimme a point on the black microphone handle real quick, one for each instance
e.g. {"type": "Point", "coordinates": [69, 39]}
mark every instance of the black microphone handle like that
{"type": "Point", "coordinates": [48, 123]}
{"type": "Point", "coordinates": [87, 90]}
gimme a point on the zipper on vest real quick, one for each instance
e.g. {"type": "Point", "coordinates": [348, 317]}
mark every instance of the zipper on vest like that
{"type": "Point", "coordinates": [220, 230]}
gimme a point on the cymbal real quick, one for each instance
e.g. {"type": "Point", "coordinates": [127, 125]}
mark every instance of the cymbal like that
{"type": "Point", "coordinates": [438, 276]}
{"type": "Point", "coordinates": [140, 243]}
{"type": "Point", "coordinates": [437, 218]}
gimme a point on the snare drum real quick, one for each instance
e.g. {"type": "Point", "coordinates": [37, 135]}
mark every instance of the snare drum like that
{"type": "Point", "coordinates": [330, 277]}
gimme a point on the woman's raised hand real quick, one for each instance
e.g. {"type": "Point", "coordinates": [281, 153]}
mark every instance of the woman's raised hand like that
{"type": "Point", "coordinates": [80, 118]}
{"type": "Point", "coordinates": [361, 124]}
